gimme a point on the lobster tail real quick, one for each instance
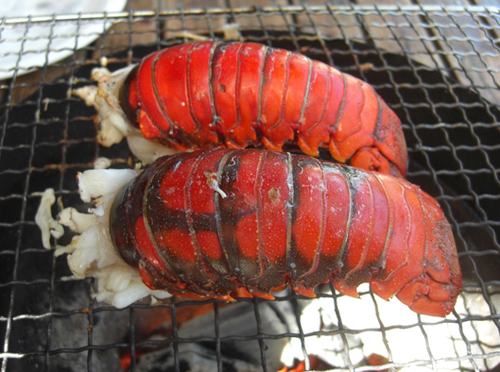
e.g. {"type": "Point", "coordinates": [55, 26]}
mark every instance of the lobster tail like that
{"type": "Point", "coordinates": [207, 94]}
{"type": "Point", "coordinates": [210, 222]}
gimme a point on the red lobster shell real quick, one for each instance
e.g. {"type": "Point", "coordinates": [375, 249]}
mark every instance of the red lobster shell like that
{"type": "Point", "coordinates": [205, 94]}
{"type": "Point", "coordinates": [210, 222]}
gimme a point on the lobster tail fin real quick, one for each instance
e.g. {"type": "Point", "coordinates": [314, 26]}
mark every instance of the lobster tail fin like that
{"type": "Point", "coordinates": [370, 158]}
{"type": "Point", "coordinates": [429, 297]}
{"type": "Point", "coordinates": [436, 290]}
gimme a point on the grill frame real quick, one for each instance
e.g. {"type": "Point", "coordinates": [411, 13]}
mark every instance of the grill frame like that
{"type": "Point", "coordinates": [304, 24]}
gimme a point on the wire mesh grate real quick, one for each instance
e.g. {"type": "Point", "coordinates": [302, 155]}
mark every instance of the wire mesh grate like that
{"type": "Point", "coordinates": [436, 67]}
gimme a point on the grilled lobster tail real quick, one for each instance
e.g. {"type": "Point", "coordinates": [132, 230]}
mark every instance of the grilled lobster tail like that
{"type": "Point", "coordinates": [210, 222]}
{"type": "Point", "coordinates": [206, 94]}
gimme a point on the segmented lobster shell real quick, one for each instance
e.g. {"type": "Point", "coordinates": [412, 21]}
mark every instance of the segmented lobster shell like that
{"type": "Point", "coordinates": [204, 94]}
{"type": "Point", "coordinates": [210, 222]}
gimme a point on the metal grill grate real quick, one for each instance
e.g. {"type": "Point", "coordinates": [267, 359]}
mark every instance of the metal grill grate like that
{"type": "Point", "coordinates": [436, 67]}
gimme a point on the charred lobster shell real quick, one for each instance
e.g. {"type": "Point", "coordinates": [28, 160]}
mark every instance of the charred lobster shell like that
{"type": "Point", "coordinates": [210, 222]}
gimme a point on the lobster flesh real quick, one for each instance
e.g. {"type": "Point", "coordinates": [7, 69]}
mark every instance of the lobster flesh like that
{"type": "Point", "coordinates": [205, 94]}
{"type": "Point", "coordinates": [211, 222]}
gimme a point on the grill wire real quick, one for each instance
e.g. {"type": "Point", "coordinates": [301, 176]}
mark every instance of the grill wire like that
{"type": "Point", "coordinates": [436, 67]}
